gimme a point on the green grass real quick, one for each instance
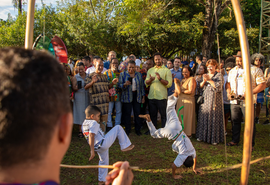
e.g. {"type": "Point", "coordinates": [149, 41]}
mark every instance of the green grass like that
{"type": "Point", "coordinates": [155, 156]}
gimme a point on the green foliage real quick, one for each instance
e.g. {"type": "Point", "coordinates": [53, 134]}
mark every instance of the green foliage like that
{"type": "Point", "coordinates": [142, 27]}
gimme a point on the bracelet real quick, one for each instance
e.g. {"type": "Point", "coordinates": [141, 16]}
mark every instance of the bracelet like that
{"type": "Point", "coordinates": [160, 79]}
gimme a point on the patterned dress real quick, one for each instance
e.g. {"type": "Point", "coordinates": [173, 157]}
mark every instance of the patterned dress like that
{"type": "Point", "coordinates": [99, 92]}
{"type": "Point", "coordinates": [210, 127]}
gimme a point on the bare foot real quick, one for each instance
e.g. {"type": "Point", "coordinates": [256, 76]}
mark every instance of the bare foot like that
{"type": "Point", "coordinates": [177, 89]}
{"type": "Point", "coordinates": [128, 148]}
{"type": "Point", "coordinates": [177, 177]}
{"type": "Point", "coordinates": [146, 116]}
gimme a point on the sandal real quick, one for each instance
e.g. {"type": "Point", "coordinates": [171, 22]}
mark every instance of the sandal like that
{"type": "Point", "coordinates": [80, 135]}
{"type": "Point", "coordinates": [232, 144]}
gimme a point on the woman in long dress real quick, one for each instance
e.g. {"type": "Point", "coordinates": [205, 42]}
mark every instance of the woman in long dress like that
{"type": "Point", "coordinates": [81, 97]}
{"type": "Point", "coordinates": [210, 127]}
{"type": "Point", "coordinates": [187, 99]}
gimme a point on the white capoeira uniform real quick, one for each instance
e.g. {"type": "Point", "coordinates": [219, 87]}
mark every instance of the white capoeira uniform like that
{"type": "Point", "coordinates": [103, 142]}
{"type": "Point", "coordinates": [182, 145]}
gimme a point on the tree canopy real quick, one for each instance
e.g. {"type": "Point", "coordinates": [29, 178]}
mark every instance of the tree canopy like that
{"type": "Point", "coordinates": [141, 27]}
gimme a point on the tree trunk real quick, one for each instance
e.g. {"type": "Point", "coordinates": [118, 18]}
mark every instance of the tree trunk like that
{"type": "Point", "coordinates": [213, 10]}
{"type": "Point", "coordinates": [20, 7]}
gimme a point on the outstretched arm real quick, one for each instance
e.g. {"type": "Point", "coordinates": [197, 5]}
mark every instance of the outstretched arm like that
{"type": "Point", "coordinates": [194, 166]}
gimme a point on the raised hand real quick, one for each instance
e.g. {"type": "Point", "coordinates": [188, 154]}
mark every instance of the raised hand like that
{"type": "Point", "coordinates": [158, 76]}
{"type": "Point", "coordinates": [173, 75]}
{"type": "Point", "coordinates": [152, 78]}
{"type": "Point", "coordinates": [94, 79]}
{"type": "Point", "coordinates": [115, 81]}
{"type": "Point", "coordinates": [127, 83]}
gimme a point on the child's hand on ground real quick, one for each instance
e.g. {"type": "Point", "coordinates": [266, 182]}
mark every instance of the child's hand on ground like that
{"type": "Point", "coordinates": [121, 174]}
{"type": "Point", "coordinates": [92, 155]}
{"type": "Point", "coordinates": [196, 171]}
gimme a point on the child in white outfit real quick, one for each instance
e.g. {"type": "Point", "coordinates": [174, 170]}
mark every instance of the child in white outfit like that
{"type": "Point", "coordinates": [100, 142]}
{"type": "Point", "coordinates": [173, 131]}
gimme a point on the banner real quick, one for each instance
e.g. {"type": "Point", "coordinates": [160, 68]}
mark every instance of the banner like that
{"type": "Point", "coordinates": [60, 50]}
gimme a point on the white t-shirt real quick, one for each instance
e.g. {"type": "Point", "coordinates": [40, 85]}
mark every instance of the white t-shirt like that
{"type": "Point", "coordinates": [91, 126]}
{"type": "Point", "coordinates": [134, 84]}
{"type": "Point", "coordinates": [240, 82]}
{"type": "Point", "coordinates": [93, 69]}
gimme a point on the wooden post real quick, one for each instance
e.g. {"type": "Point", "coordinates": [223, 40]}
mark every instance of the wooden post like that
{"type": "Point", "coordinates": [249, 115]}
{"type": "Point", "coordinates": [29, 25]}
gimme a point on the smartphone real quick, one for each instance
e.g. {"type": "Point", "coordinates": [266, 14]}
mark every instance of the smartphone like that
{"type": "Point", "coordinates": [79, 83]}
{"type": "Point", "coordinates": [130, 79]}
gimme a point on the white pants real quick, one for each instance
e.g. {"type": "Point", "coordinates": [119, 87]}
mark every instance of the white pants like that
{"type": "Point", "coordinates": [103, 151]}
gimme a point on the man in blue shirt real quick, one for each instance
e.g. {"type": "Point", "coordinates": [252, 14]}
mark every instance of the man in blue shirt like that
{"type": "Point", "coordinates": [176, 73]}
{"type": "Point", "coordinates": [111, 55]}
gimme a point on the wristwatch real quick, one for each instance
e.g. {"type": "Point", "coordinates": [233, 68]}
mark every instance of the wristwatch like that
{"type": "Point", "coordinates": [160, 79]}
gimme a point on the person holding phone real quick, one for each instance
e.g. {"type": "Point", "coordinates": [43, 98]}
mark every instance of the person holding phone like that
{"type": "Point", "coordinates": [133, 95]}
{"type": "Point", "coordinates": [81, 98]}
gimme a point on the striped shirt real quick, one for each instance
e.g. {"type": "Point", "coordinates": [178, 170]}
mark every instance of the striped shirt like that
{"type": "Point", "coordinates": [127, 95]}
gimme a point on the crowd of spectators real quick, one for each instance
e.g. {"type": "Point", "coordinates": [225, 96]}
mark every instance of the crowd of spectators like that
{"type": "Point", "coordinates": [208, 92]}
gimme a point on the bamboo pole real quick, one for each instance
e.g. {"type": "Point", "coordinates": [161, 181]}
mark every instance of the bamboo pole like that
{"type": "Point", "coordinates": [94, 166]}
{"type": "Point", "coordinates": [249, 115]}
{"type": "Point", "coordinates": [29, 25]}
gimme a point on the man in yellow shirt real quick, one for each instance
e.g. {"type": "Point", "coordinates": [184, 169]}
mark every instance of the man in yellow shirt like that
{"type": "Point", "coordinates": [159, 78]}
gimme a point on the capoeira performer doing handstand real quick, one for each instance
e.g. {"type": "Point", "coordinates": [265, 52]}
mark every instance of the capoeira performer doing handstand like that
{"type": "Point", "coordinates": [173, 131]}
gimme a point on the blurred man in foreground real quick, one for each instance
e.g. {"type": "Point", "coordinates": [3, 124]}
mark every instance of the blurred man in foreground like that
{"type": "Point", "coordinates": [36, 119]}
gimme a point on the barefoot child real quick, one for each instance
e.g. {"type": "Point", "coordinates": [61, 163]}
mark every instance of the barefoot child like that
{"type": "Point", "coordinates": [100, 142]}
{"type": "Point", "coordinates": [173, 131]}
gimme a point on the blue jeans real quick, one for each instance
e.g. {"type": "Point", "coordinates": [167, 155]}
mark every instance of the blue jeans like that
{"type": "Point", "coordinates": [266, 99]}
{"type": "Point", "coordinates": [118, 110]}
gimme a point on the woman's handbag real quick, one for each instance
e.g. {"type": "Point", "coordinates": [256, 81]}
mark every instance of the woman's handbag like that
{"type": "Point", "coordinates": [201, 99]}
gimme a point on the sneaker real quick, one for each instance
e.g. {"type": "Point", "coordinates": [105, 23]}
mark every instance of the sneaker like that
{"type": "Point", "coordinates": [226, 133]}
{"type": "Point", "coordinates": [256, 120]}
{"type": "Point", "coordinates": [266, 122]}
{"type": "Point", "coordinates": [128, 148]}
{"type": "Point", "coordinates": [199, 140]}
{"type": "Point", "coordinates": [214, 144]}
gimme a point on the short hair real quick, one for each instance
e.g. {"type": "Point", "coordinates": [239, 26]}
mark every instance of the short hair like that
{"type": "Point", "coordinates": [131, 62]}
{"type": "Point", "coordinates": [177, 58]}
{"type": "Point", "coordinates": [87, 58]}
{"type": "Point", "coordinates": [229, 59]}
{"type": "Point", "coordinates": [112, 52]}
{"type": "Point", "coordinates": [97, 58]}
{"type": "Point", "coordinates": [114, 59]}
{"type": "Point", "coordinates": [199, 57]}
{"type": "Point", "coordinates": [33, 95]}
{"type": "Point", "coordinates": [80, 64]}
{"type": "Point", "coordinates": [157, 54]}
{"type": "Point", "coordinates": [131, 57]}
{"type": "Point", "coordinates": [230, 64]}
{"type": "Point", "coordinates": [212, 62]}
{"type": "Point", "coordinates": [189, 69]}
{"type": "Point", "coordinates": [92, 109]}
{"type": "Point", "coordinates": [189, 162]}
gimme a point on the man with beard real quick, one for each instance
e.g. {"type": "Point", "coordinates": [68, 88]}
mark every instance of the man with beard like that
{"type": "Point", "coordinates": [159, 78]}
